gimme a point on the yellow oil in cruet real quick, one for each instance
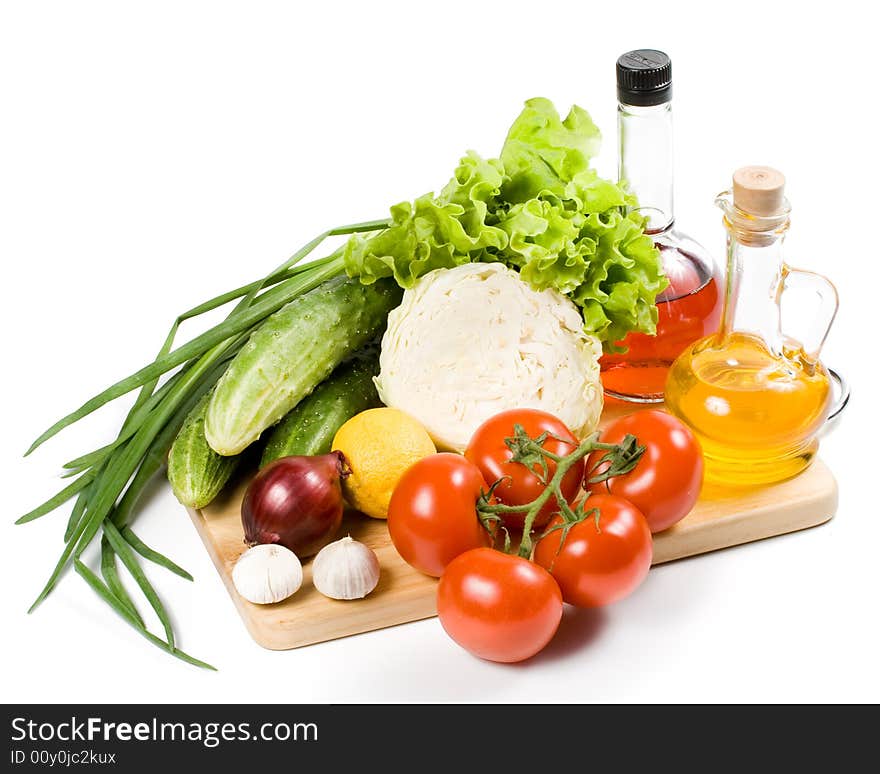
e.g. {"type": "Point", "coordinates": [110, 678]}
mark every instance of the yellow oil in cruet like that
{"type": "Point", "coordinates": [756, 397]}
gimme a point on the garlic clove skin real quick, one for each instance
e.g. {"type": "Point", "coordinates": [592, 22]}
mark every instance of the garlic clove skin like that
{"type": "Point", "coordinates": [345, 569]}
{"type": "Point", "coordinates": [267, 573]}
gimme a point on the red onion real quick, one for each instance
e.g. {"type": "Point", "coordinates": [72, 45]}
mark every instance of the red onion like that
{"type": "Point", "coordinates": [295, 501]}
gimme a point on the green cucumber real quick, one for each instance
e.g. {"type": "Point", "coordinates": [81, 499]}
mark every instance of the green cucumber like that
{"type": "Point", "coordinates": [310, 427]}
{"type": "Point", "coordinates": [196, 472]}
{"type": "Point", "coordinates": [290, 354]}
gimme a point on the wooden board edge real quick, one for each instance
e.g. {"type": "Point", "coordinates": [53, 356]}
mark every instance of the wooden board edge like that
{"type": "Point", "coordinates": [735, 529]}
{"type": "Point", "coordinates": [253, 629]}
{"type": "Point", "coordinates": [271, 638]}
{"type": "Point", "coordinates": [704, 538]}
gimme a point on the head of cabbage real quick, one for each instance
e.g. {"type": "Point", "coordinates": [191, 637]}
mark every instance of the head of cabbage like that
{"type": "Point", "coordinates": [469, 342]}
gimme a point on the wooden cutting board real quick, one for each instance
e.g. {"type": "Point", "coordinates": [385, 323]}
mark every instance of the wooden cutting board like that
{"type": "Point", "coordinates": [719, 520]}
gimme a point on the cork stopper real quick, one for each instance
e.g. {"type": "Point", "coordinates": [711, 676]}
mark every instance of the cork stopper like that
{"type": "Point", "coordinates": [759, 191]}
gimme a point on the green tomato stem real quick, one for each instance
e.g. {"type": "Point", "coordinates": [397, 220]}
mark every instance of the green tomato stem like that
{"type": "Point", "coordinates": [553, 489]}
{"type": "Point", "coordinates": [623, 457]}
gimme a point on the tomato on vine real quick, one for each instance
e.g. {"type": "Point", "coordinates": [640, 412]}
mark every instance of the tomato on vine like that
{"type": "Point", "coordinates": [432, 517]}
{"type": "Point", "coordinates": [492, 449]}
{"type": "Point", "coordinates": [665, 482]}
{"type": "Point", "coordinates": [602, 558]}
{"type": "Point", "coordinates": [498, 606]}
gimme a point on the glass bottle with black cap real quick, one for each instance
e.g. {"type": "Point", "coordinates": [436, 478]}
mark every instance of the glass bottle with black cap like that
{"type": "Point", "coordinates": [690, 307]}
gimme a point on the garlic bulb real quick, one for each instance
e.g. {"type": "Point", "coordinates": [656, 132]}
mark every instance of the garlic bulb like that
{"type": "Point", "coordinates": [267, 573]}
{"type": "Point", "coordinates": [345, 569]}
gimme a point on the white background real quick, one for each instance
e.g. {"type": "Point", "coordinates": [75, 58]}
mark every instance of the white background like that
{"type": "Point", "coordinates": [156, 154]}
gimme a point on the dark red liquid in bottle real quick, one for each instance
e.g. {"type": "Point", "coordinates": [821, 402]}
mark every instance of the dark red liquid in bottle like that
{"type": "Point", "coordinates": [688, 309]}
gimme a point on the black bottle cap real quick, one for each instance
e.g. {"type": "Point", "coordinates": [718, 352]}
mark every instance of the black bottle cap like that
{"type": "Point", "coordinates": [644, 77]}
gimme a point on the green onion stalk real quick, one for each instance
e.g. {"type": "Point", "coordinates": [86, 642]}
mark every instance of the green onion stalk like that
{"type": "Point", "coordinates": [108, 481]}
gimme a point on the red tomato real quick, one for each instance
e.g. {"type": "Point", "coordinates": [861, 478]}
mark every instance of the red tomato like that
{"type": "Point", "coordinates": [497, 606]}
{"type": "Point", "coordinates": [666, 482]}
{"type": "Point", "coordinates": [599, 564]}
{"type": "Point", "coordinates": [432, 516]}
{"type": "Point", "coordinates": [521, 486]}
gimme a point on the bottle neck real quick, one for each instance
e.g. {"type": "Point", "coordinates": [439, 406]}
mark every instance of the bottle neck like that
{"type": "Point", "coordinates": [754, 285]}
{"type": "Point", "coordinates": [645, 159]}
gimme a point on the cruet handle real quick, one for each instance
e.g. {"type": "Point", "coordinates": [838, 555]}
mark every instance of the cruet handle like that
{"type": "Point", "coordinates": [820, 316]}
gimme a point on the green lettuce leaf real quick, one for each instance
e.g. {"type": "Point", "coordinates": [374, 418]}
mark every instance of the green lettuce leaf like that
{"type": "Point", "coordinates": [623, 277]}
{"type": "Point", "coordinates": [543, 152]}
{"type": "Point", "coordinates": [539, 208]}
{"type": "Point", "coordinates": [433, 233]}
{"type": "Point", "coordinates": [544, 243]}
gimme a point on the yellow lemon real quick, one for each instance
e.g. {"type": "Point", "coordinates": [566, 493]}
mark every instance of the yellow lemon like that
{"type": "Point", "coordinates": [379, 444]}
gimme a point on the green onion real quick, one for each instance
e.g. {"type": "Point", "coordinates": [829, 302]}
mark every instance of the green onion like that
{"type": "Point", "coordinates": [114, 583]}
{"type": "Point", "coordinates": [237, 322]}
{"type": "Point", "coordinates": [77, 512]}
{"type": "Point", "coordinates": [154, 556]}
{"type": "Point", "coordinates": [59, 499]}
{"type": "Point", "coordinates": [123, 550]}
{"type": "Point", "coordinates": [102, 591]}
{"type": "Point", "coordinates": [110, 479]}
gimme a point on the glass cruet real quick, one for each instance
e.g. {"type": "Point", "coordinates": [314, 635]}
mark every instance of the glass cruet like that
{"type": "Point", "coordinates": [756, 393]}
{"type": "Point", "coordinates": [690, 307]}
